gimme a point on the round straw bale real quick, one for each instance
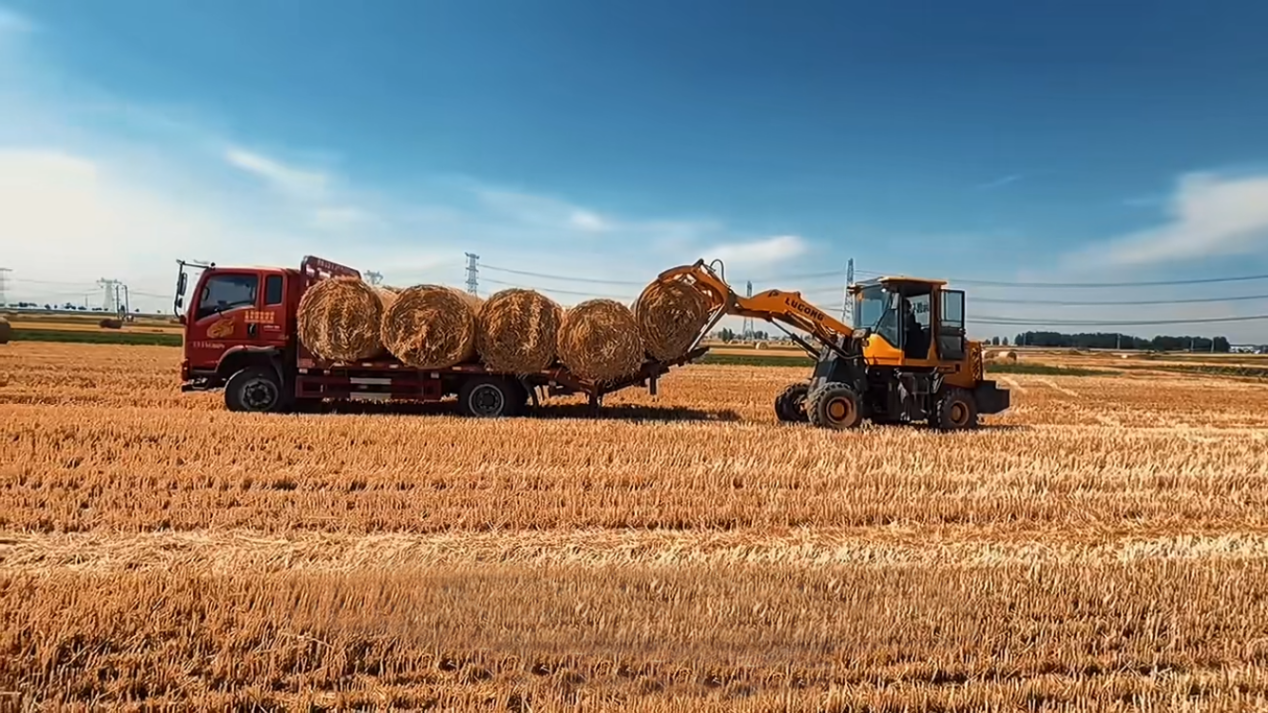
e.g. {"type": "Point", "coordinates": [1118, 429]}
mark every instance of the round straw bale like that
{"type": "Point", "coordinates": [670, 316]}
{"type": "Point", "coordinates": [431, 326]}
{"type": "Point", "coordinates": [599, 340]}
{"type": "Point", "coordinates": [338, 319]}
{"type": "Point", "coordinates": [517, 331]}
{"type": "Point", "coordinates": [6, 332]}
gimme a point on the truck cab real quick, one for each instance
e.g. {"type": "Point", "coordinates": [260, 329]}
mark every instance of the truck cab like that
{"type": "Point", "coordinates": [240, 322]}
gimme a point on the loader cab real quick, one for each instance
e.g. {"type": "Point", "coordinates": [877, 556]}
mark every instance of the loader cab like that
{"type": "Point", "coordinates": [913, 321]}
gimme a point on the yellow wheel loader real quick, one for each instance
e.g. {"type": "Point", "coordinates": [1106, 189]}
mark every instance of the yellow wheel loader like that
{"type": "Point", "coordinates": [904, 360]}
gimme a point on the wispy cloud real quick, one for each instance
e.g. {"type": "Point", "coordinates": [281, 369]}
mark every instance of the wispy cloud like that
{"type": "Point", "coordinates": [1208, 215]}
{"type": "Point", "coordinates": [1000, 182]}
{"type": "Point", "coordinates": [757, 253]}
{"type": "Point", "coordinates": [292, 181]}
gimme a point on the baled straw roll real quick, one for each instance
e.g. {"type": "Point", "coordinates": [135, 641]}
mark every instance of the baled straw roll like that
{"type": "Point", "coordinates": [431, 326]}
{"type": "Point", "coordinates": [517, 331]}
{"type": "Point", "coordinates": [599, 341]}
{"type": "Point", "coordinates": [670, 316]}
{"type": "Point", "coordinates": [338, 319]}
{"type": "Point", "coordinates": [6, 331]}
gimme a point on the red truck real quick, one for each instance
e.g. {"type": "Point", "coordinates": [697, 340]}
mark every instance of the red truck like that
{"type": "Point", "coordinates": [240, 336]}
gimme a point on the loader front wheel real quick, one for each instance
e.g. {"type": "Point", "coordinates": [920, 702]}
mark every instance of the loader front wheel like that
{"type": "Point", "coordinates": [790, 405]}
{"type": "Point", "coordinates": [835, 406]}
{"type": "Point", "coordinates": [956, 410]}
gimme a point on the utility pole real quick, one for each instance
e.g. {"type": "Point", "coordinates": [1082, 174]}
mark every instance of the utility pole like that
{"type": "Point", "coordinates": [374, 277]}
{"type": "Point", "coordinates": [748, 321]}
{"type": "Point", "coordinates": [847, 307]}
{"type": "Point", "coordinates": [473, 271]}
{"type": "Point", "coordinates": [4, 298]}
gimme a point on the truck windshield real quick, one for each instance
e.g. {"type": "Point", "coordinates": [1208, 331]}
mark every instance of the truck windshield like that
{"type": "Point", "coordinates": [224, 292]}
{"type": "Point", "coordinates": [873, 310]}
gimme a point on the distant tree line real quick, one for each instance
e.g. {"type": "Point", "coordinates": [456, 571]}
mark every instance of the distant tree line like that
{"type": "Point", "coordinates": [1103, 340]}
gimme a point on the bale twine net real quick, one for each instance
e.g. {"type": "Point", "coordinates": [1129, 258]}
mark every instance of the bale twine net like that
{"type": "Point", "coordinates": [338, 319]}
{"type": "Point", "coordinates": [431, 326]}
{"type": "Point", "coordinates": [517, 331]}
{"type": "Point", "coordinates": [599, 340]}
{"type": "Point", "coordinates": [670, 316]}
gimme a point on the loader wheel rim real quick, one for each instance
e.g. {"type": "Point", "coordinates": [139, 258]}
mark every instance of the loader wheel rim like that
{"type": "Point", "coordinates": [959, 413]}
{"type": "Point", "coordinates": [839, 409]}
{"type": "Point", "coordinates": [259, 394]}
{"type": "Point", "coordinates": [486, 400]}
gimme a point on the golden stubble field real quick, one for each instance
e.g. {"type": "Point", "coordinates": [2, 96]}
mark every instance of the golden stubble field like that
{"type": "Point", "coordinates": [1102, 547]}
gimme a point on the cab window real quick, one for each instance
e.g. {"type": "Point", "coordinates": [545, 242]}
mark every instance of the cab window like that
{"type": "Point", "coordinates": [273, 290]}
{"type": "Point", "coordinates": [225, 292]}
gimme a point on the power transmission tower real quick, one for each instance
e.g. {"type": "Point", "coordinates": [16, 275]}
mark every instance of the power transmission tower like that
{"type": "Point", "coordinates": [748, 321]}
{"type": "Point", "coordinates": [847, 307]}
{"type": "Point", "coordinates": [4, 298]}
{"type": "Point", "coordinates": [374, 277]}
{"type": "Point", "coordinates": [111, 295]}
{"type": "Point", "coordinates": [473, 271]}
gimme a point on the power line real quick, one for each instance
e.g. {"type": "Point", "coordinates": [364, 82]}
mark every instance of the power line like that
{"type": "Point", "coordinates": [561, 277]}
{"type": "Point", "coordinates": [1023, 321]}
{"type": "Point", "coordinates": [1073, 285]}
{"type": "Point", "coordinates": [1076, 303]}
{"type": "Point", "coordinates": [562, 292]}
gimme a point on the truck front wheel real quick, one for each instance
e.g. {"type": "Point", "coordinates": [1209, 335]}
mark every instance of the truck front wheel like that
{"type": "Point", "coordinates": [490, 397]}
{"type": "Point", "coordinates": [254, 389]}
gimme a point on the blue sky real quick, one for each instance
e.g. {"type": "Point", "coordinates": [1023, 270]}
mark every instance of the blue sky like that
{"type": "Point", "coordinates": [1074, 141]}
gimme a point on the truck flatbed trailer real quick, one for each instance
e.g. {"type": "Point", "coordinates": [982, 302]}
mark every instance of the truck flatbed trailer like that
{"type": "Point", "coordinates": [240, 336]}
{"type": "Point", "coordinates": [480, 392]}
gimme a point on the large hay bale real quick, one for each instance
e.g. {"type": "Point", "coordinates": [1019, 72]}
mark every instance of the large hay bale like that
{"type": "Point", "coordinates": [670, 316]}
{"type": "Point", "coordinates": [517, 331]}
{"type": "Point", "coordinates": [6, 331]}
{"type": "Point", "coordinates": [338, 319]}
{"type": "Point", "coordinates": [431, 326]}
{"type": "Point", "coordinates": [599, 340]}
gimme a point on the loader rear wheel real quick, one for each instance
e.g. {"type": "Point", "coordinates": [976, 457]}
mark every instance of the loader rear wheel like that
{"type": "Point", "coordinates": [254, 389]}
{"type": "Point", "coordinates": [835, 406]}
{"type": "Point", "coordinates": [790, 405]}
{"type": "Point", "coordinates": [956, 410]}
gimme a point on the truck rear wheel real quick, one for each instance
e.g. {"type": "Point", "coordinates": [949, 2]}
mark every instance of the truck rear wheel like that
{"type": "Point", "coordinates": [254, 389]}
{"type": "Point", "coordinates": [490, 397]}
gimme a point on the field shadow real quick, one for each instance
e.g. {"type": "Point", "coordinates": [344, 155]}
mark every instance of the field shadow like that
{"type": "Point", "coordinates": [449, 407]}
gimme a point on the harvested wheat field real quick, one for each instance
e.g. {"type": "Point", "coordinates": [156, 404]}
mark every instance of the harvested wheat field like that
{"type": "Point", "coordinates": [1102, 547]}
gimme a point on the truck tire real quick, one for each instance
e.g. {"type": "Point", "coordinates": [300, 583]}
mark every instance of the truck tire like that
{"type": "Point", "coordinates": [254, 389]}
{"type": "Point", "coordinates": [790, 405]}
{"type": "Point", "coordinates": [490, 397]}
{"type": "Point", "coordinates": [956, 410]}
{"type": "Point", "coordinates": [835, 405]}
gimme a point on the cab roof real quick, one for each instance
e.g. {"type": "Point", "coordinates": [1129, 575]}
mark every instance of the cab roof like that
{"type": "Point", "coordinates": [899, 280]}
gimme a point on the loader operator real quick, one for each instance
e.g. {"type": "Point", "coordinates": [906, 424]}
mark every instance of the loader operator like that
{"type": "Point", "coordinates": [915, 344]}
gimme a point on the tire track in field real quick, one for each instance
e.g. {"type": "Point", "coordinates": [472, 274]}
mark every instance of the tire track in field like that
{"type": "Point", "coordinates": [235, 552]}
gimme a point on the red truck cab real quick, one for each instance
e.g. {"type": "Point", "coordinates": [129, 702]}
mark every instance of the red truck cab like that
{"type": "Point", "coordinates": [240, 322]}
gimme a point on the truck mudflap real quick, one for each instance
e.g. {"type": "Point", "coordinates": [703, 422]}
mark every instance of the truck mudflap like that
{"type": "Point", "coordinates": [991, 399]}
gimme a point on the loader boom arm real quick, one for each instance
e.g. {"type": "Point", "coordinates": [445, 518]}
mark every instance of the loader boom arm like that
{"type": "Point", "coordinates": [775, 306]}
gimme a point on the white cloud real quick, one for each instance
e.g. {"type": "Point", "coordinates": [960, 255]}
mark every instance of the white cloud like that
{"type": "Point", "coordinates": [588, 221]}
{"type": "Point", "coordinates": [780, 248]}
{"type": "Point", "coordinates": [1209, 215]}
{"type": "Point", "coordinates": [292, 181]}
